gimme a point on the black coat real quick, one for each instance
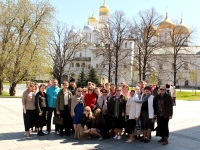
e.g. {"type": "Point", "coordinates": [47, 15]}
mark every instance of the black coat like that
{"type": "Point", "coordinates": [41, 102]}
{"type": "Point", "coordinates": [168, 105]}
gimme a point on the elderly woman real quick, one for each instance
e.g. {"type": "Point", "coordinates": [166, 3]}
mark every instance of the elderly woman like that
{"type": "Point", "coordinates": [133, 110]}
{"type": "Point", "coordinates": [41, 107]}
{"type": "Point", "coordinates": [77, 105]}
{"type": "Point", "coordinates": [117, 106]}
{"type": "Point", "coordinates": [28, 102]}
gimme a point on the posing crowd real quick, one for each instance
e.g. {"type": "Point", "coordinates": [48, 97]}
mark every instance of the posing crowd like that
{"type": "Point", "coordinates": [101, 110]}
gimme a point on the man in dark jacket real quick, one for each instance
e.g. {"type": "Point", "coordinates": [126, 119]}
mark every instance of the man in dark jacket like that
{"type": "Point", "coordinates": [163, 109]}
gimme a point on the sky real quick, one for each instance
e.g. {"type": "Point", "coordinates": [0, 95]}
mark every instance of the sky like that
{"type": "Point", "coordinates": [77, 11]}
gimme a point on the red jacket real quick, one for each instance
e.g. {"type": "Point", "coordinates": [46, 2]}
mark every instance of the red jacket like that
{"type": "Point", "coordinates": [90, 100]}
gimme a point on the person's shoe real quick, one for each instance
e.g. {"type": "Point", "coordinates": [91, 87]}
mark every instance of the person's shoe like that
{"type": "Point", "coordinates": [47, 132]}
{"type": "Point", "coordinates": [146, 141]}
{"type": "Point", "coordinates": [142, 140]}
{"type": "Point", "coordinates": [129, 141]}
{"type": "Point", "coordinates": [119, 137]}
{"type": "Point", "coordinates": [100, 139]}
{"type": "Point", "coordinates": [115, 137]}
{"type": "Point", "coordinates": [161, 140]}
{"type": "Point", "coordinates": [165, 141]}
{"type": "Point", "coordinates": [57, 132]}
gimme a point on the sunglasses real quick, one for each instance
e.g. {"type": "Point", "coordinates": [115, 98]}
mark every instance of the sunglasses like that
{"type": "Point", "coordinates": [162, 89]}
{"type": "Point", "coordinates": [79, 91]}
{"type": "Point", "coordinates": [32, 86]}
{"type": "Point", "coordinates": [87, 110]}
{"type": "Point", "coordinates": [104, 92]}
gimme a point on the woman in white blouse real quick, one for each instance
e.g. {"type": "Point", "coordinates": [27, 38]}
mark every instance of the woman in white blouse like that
{"type": "Point", "coordinates": [133, 110]}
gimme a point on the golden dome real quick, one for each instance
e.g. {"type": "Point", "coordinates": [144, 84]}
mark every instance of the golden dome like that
{"type": "Point", "coordinates": [92, 19]}
{"type": "Point", "coordinates": [166, 23]}
{"type": "Point", "coordinates": [181, 29]}
{"type": "Point", "coordinates": [104, 10]}
{"type": "Point", "coordinates": [152, 30]}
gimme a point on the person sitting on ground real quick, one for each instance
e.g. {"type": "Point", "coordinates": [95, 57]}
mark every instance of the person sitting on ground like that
{"type": "Point", "coordinates": [97, 125]}
{"type": "Point", "coordinates": [85, 124]}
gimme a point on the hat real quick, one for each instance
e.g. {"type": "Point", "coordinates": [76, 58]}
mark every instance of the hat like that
{"type": "Point", "coordinates": [163, 87]}
{"type": "Point", "coordinates": [72, 80]}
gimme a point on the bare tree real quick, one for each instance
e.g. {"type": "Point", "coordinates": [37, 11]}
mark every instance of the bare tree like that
{"type": "Point", "coordinates": [145, 34]}
{"type": "Point", "coordinates": [179, 45]}
{"type": "Point", "coordinates": [64, 45]}
{"type": "Point", "coordinates": [115, 33]}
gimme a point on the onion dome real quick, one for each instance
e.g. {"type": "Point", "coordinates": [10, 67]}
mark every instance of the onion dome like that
{"type": "Point", "coordinates": [104, 10]}
{"type": "Point", "coordinates": [181, 29]}
{"type": "Point", "coordinates": [166, 23]}
{"type": "Point", "coordinates": [92, 19]}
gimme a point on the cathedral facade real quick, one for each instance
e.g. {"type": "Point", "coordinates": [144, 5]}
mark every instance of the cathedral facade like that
{"type": "Point", "coordinates": [89, 56]}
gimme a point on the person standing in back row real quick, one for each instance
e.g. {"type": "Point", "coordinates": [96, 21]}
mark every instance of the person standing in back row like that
{"type": "Point", "coordinates": [63, 108]}
{"type": "Point", "coordinates": [51, 94]}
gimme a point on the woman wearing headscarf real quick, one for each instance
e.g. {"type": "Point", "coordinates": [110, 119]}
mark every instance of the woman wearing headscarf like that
{"type": "Point", "coordinates": [133, 110]}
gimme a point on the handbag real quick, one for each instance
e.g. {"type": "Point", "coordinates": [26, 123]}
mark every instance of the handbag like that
{"type": "Point", "coordinates": [57, 120]}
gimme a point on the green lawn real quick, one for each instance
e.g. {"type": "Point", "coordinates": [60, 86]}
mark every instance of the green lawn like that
{"type": "Point", "coordinates": [187, 96]}
{"type": "Point", "coordinates": [8, 83]}
{"type": "Point", "coordinates": [7, 95]}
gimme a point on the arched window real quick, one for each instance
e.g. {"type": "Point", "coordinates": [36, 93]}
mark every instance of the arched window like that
{"type": "Point", "coordinates": [125, 45]}
{"type": "Point", "coordinates": [77, 65]}
{"type": "Point", "coordinates": [89, 66]}
{"type": "Point", "coordinates": [72, 64]}
{"type": "Point", "coordinates": [83, 65]}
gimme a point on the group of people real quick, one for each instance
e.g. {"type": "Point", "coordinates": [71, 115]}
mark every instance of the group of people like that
{"type": "Point", "coordinates": [102, 110]}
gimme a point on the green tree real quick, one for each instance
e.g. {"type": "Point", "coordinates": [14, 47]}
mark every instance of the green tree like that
{"type": "Point", "coordinates": [82, 79]}
{"type": "Point", "coordinates": [193, 76]}
{"type": "Point", "coordinates": [153, 79]}
{"type": "Point", "coordinates": [24, 32]}
{"type": "Point", "coordinates": [92, 76]}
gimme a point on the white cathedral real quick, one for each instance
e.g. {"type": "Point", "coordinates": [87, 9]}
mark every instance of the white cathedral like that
{"type": "Point", "coordinates": [88, 57]}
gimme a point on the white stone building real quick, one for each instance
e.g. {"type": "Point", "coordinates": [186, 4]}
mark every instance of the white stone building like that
{"type": "Point", "coordinates": [88, 57]}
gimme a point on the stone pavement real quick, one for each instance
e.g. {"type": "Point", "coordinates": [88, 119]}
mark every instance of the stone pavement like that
{"type": "Point", "coordinates": [184, 132]}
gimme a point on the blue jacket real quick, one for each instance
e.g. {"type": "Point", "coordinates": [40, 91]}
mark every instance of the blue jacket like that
{"type": "Point", "coordinates": [52, 93]}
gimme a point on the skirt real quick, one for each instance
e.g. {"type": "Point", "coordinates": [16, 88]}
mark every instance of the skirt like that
{"type": "Point", "coordinates": [79, 133]}
{"type": "Point", "coordinates": [162, 129]}
{"type": "Point", "coordinates": [130, 126]}
{"type": "Point", "coordinates": [41, 120]}
{"type": "Point", "coordinates": [145, 121]}
{"type": "Point", "coordinates": [78, 113]}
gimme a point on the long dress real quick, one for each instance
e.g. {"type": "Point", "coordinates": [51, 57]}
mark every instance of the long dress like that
{"type": "Point", "coordinates": [78, 110]}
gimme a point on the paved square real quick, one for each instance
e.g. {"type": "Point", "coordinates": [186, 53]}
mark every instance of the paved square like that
{"type": "Point", "coordinates": [184, 132]}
